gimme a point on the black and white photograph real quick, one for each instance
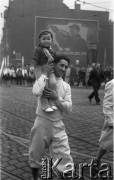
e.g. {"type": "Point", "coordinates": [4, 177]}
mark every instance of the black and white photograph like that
{"type": "Point", "coordinates": [56, 89]}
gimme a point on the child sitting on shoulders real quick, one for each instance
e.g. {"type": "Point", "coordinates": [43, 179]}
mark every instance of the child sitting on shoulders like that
{"type": "Point", "coordinates": [44, 54]}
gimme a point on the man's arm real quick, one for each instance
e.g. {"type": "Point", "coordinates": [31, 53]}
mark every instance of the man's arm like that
{"type": "Point", "coordinates": [64, 104]}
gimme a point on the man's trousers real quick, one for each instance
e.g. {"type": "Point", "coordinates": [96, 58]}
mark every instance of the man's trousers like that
{"type": "Point", "coordinates": [51, 135]}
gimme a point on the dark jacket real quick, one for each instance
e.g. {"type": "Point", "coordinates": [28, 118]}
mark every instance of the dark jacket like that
{"type": "Point", "coordinates": [39, 57]}
{"type": "Point", "coordinates": [96, 77]}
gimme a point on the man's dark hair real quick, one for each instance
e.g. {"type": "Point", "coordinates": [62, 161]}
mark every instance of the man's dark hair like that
{"type": "Point", "coordinates": [58, 58]}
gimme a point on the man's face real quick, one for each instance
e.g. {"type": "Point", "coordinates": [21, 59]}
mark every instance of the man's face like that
{"type": "Point", "coordinates": [60, 68]}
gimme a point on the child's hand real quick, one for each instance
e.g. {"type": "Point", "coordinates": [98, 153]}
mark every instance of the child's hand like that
{"type": "Point", "coordinates": [50, 59]}
{"type": "Point", "coordinates": [47, 53]}
{"type": "Point", "coordinates": [50, 94]}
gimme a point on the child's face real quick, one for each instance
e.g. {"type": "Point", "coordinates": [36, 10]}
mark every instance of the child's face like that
{"type": "Point", "coordinates": [46, 40]}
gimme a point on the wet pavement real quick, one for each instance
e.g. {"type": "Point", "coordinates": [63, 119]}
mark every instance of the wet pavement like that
{"type": "Point", "coordinates": [17, 114]}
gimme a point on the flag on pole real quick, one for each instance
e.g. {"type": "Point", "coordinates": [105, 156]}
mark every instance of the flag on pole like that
{"type": "Point", "coordinates": [22, 62]}
{"type": "Point", "coordinates": [2, 67]}
{"type": "Point", "coordinates": [5, 64]}
{"type": "Point", "coordinates": [7, 61]}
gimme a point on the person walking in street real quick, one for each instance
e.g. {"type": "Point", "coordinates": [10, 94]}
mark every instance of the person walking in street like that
{"type": "Point", "coordinates": [106, 139]}
{"type": "Point", "coordinates": [7, 76]}
{"type": "Point", "coordinates": [19, 75]}
{"type": "Point", "coordinates": [95, 79]}
{"type": "Point", "coordinates": [48, 130]}
{"type": "Point", "coordinates": [31, 76]}
{"type": "Point", "coordinates": [13, 75]}
{"type": "Point", "coordinates": [88, 70]}
{"type": "Point", "coordinates": [45, 54]}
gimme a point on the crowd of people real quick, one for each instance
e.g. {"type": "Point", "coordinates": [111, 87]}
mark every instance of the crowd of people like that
{"type": "Point", "coordinates": [79, 76]}
{"type": "Point", "coordinates": [76, 75]}
{"type": "Point", "coordinates": [18, 76]}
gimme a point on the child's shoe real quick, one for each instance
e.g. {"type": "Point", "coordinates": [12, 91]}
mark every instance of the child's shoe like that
{"type": "Point", "coordinates": [54, 107]}
{"type": "Point", "coordinates": [49, 109]}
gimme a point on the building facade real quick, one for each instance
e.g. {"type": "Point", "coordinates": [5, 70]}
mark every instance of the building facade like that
{"type": "Point", "coordinates": [25, 18]}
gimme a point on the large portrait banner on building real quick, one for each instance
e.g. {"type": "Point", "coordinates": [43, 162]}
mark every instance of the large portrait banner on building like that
{"type": "Point", "coordinates": [71, 36]}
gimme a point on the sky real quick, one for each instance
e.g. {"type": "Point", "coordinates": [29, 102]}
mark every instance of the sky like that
{"type": "Point", "coordinates": [99, 5]}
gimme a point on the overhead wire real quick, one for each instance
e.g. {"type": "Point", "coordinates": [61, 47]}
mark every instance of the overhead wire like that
{"type": "Point", "coordinates": [102, 2]}
{"type": "Point", "coordinates": [35, 13]}
{"type": "Point", "coordinates": [95, 5]}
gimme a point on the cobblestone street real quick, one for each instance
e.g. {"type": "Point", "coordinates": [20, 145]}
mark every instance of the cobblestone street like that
{"type": "Point", "coordinates": [17, 114]}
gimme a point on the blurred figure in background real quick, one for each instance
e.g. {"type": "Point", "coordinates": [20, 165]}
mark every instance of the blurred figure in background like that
{"type": "Point", "coordinates": [19, 75]}
{"type": "Point", "coordinates": [87, 74]}
{"type": "Point", "coordinates": [67, 75]}
{"type": "Point", "coordinates": [13, 75]}
{"type": "Point", "coordinates": [24, 77]}
{"type": "Point", "coordinates": [77, 78]}
{"type": "Point", "coordinates": [81, 77]}
{"type": "Point", "coordinates": [31, 76]}
{"type": "Point", "coordinates": [7, 76]}
{"type": "Point", "coordinates": [95, 79]}
{"type": "Point", "coordinates": [72, 75]}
